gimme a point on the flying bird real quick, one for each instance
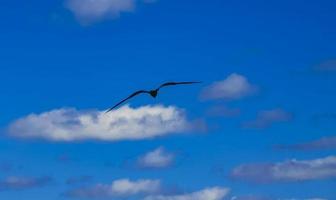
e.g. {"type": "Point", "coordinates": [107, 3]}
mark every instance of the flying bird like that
{"type": "Point", "coordinates": [153, 93]}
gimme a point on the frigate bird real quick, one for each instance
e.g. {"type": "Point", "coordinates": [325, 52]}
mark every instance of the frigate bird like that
{"type": "Point", "coordinates": [153, 93]}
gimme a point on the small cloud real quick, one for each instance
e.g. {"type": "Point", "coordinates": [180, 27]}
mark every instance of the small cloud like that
{"type": "Point", "coordinates": [118, 188]}
{"type": "Point", "coordinates": [90, 11]}
{"type": "Point", "coordinates": [223, 111]}
{"type": "Point", "coordinates": [125, 123]}
{"type": "Point", "coordinates": [214, 193]}
{"type": "Point", "coordinates": [326, 66]}
{"type": "Point", "coordinates": [158, 158]}
{"type": "Point", "coordinates": [233, 87]}
{"type": "Point", "coordinates": [287, 171]}
{"type": "Point", "coordinates": [20, 183]}
{"type": "Point", "coordinates": [268, 117]}
{"type": "Point", "coordinates": [78, 180]}
{"type": "Point", "coordinates": [320, 144]}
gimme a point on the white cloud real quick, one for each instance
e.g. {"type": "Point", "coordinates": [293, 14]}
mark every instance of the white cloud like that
{"type": "Point", "coordinates": [214, 193]}
{"type": "Point", "coordinates": [158, 158]}
{"type": "Point", "coordinates": [233, 87]}
{"type": "Point", "coordinates": [89, 11]}
{"type": "Point", "coordinates": [118, 188]}
{"type": "Point", "coordinates": [266, 118]}
{"type": "Point", "coordinates": [125, 123]}
{"type": "Point", "coordinates": [125, 186]}
{"type": "Point", "coordinates": [292, 170]}
{"type": "Point", "coordinates": [147, 188]}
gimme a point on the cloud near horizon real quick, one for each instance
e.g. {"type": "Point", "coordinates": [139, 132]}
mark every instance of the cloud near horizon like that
{"type": "Point", "coordinates": [158, 158]}
{"type": "Point", "coordinates": [213, 193]}
{"type": "Point", "coordinates": [118, 188]}
{"type": "Point", "coordinates": [125, 123]}
{"type": "Point", "coordinates": [234, 87]}
{"type": "Point", "coordinates": [90, 11]}
{"type": "Point", "coordinates": [287, 171]}
{"type": "Point", "coordinates": [146, 189]}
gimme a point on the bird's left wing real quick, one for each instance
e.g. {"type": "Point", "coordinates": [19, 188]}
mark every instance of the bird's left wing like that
{"type": "Point", "coordinates": [177, 83]}
{"type": "Point", "coordinates": [132, 95]}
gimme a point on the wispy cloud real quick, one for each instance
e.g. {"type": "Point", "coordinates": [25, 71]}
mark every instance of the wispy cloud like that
{"type": "Point", "coordinates": [125, 123]}
{"type": "Point", "coordinates": [287, 171]}
{"type": "Point", "coordinates": [90, 11]}
{"type": "Point", "coordinates": [214, 193]}
{"type": "Point", "coordinates": [158, 158]}
{"type": "Point", "coordinates": [20, 183]}
{"type": "Point", "coordinates": [320, 144]}
{"type": "Point", "coordinates": [266, 118]}
{"type": "Point", "coordinates": [235, 86]}
{"type": "Point", "coordinates": [118, 188]}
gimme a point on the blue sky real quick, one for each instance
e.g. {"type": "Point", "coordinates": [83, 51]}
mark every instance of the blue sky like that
{"type": "Point", "coordinates": [261, 125]}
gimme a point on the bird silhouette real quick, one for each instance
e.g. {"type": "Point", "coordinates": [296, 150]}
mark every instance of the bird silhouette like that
{"type": "Point", "coordinates": [153, 93]}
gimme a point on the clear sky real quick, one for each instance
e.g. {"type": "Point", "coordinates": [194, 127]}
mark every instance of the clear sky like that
{"type": "Point", "coordinates": [261, 125]}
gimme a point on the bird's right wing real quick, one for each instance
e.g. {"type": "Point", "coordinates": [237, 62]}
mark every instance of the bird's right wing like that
{"type": "Point", "coordinates": [177, 83]}
{"type": "Point", "coordinates": [132, 95]}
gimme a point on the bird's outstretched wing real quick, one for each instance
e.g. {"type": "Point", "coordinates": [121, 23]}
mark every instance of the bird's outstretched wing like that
{"type": "Point", "coordinates": [177, 83]}
{"type": "Point", "coordinates": [132, 95]}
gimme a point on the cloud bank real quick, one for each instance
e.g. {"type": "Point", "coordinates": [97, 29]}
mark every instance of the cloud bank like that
{"type": "Point", "coordinates": [214, 193]}
{"type": "Point", "coordinates": [268, 117]}
{"type": "Point", "coordinates": [90, 11]}
{"type": "Point", "coordinates": [158, 158]}
{"type": "Point", "coordinates": [287, 171]}
{"type": "Point", "coordinates": [125, 123]}
{"type": "Point", "coordinates": [20, 183]}
{"type": "Point", "coordinates": [118, 188]}
{"type": "Point", "coordinates": [233, 87]}
{"type": "Point", "coordinates": [145, 189]}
